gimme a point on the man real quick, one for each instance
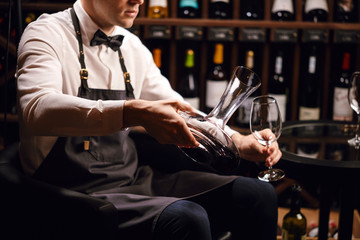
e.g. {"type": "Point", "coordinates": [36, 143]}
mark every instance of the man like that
{"type": "Point", "coordinates": [74, 130]}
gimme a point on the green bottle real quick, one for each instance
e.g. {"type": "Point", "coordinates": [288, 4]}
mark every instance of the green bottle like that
{"type": "Point", "coordinates": [294, 222]}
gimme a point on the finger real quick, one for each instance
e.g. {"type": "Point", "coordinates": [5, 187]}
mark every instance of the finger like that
{"type": "Point", "coordinates": [185, 107]}
{"type": "Point", "coordinates": [274, 157]}
{"type": "Point", "coordinates": [186, 138]}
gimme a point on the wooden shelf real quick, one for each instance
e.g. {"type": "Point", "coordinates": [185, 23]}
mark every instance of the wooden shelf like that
{"type": "Point", "coordinates": [9, 117]}
{"type": "Point", "coordinates": [246, 23]}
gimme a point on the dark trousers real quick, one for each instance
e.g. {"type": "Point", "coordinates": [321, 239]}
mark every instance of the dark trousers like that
{"type": "Point", "coordinates": [246, 207]}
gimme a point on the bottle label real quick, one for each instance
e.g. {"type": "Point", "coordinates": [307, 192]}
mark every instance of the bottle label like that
{"type": "Point", "coordinates": [158, 3]}
{"type": "Point", "coordinates": [316, 4]}
{"type": "Point", "coordinates": [341, 108]}
{"type": "Point", "coordinates": [306, 113]}
{"type": "Point", "coordinates": [214, 91]}
{"type": "Point", "coordinates": [189, 3]}
{"type": "Point", "coordinates": [287, 236]}
{"type": "Point", "coordinates": [281, 100]}
{"type": "Point", "coordinates": [283, 5]}
{"type": "Point", "coordinates": [194, 102]}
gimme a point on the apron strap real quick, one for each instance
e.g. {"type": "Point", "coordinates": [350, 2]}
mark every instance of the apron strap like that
{"type": "Point", "coordinates": [83, 72]}
{"type": "Point", "coordinates": [129, 88]}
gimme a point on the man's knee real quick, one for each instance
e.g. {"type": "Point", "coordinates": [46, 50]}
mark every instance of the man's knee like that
{"type": "Point", "coordinates": [254, 191]}
{"type": "Point", "coordinates": [184, 219]}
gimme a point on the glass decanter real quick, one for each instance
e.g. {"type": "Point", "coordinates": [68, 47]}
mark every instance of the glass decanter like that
{"type": "Point", "coordinates": [216, 151]}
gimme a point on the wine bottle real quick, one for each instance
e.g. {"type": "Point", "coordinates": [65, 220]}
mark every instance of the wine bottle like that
{"type": "Point", "coordinates": [252, 9]}
{"type": "Point", "coordinates": [341, 108]}
{"type": "Point", "coordinates": [217, 79]}
{"type": "Point", "coordinates": [30, 17]}
{"type": "Point", "coordinates": [278, 83]}
{"type": "Point", "coordinates": [189, 9]}
{"type": "Point", "coordinates": [157, 56]}
{"type": "Point", "coordinates": [243, 115]}
{"type": "Point", "coordinates": [316, 11]}
{"type": "Point", "coordinates": [309, 95]}
{"type": "Point", "coordinates": [158, 9]}
{"type": "Point", "coordinates": [283, 10]}
{"type": "Point", "coordinates": [220, 9]}
{"type": "Point", "coordinates": [188, 84]}
{"type": "Point", "coordinates": [294, 222]}
{"type": "Point", "coordinates": [345, 11]}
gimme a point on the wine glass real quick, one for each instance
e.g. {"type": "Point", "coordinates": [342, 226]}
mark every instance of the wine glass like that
{"type": "Point", "coordinates": [354, 100]}
{"type": "Point", "coordinates": [265, 117]}
{"type": "Point", "coordinates": [217, 152]}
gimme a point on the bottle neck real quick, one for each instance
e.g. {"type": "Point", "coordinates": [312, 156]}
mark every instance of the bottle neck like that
{"type": "Point", "coordinates": [346, 62]}
{"type": "Point", "coordinates": [189, 59]}
{"type": "Point", "coordinates": [249, 63]}
{"type": "Point", "coordinates": [278, 64]}
{"type": "Point", "coordinates": [312, 60]}
{"type": "Point", "coordinates": [295, 198]}
{"type": "Point", "coordinates": [157, 56]}
{"type": "Point", "coordinates": [219, 54]}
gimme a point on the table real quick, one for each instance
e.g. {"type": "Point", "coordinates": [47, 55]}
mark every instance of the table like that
{"type": "Point", "coordinates": [318, 150]}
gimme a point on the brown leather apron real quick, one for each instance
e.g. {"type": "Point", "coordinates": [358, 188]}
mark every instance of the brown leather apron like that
{"type": "Point", "coordinates": [107, 167]}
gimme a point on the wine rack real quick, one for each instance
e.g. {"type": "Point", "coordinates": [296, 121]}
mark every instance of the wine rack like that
{"type": "Point", "coordinates": [175, 32]}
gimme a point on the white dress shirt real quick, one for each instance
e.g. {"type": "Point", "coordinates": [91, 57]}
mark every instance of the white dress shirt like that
{"type": "Point", "coordinates": [48, 80]}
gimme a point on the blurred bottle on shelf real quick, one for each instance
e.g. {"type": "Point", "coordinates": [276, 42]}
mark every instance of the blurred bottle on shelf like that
{"type": "Point", "coordinates": [29, 17]}
{"type": "Point", "coordinates": [4, 25]}
{"type": "Point", "coordinates": [294, 222]}
{"type": "Point", "coordinates": [314, 230]}
{"type": "Point", "coordinates": [157, 56]}
{"type": "Point", "coordinates": [243, 115]}
{"type": "Point", "coordinates": [158, 9]}
{"type": "Point", "coordinates": [217, 79]}
{"type": "Point", "coordinates": [309, 84]}
{"type": "Point", "coordinates": [341, 107]}
{"type": "Point", "coordinates": [278, 83]}
{"type": "Point", "coordinates": [252, 9]}
{"type": "Point", "coordinates": [345, 11]}
{"type": "Point", "coordinates": [283, 10]}
{"type": "Point", "coordinates": [220, 9]}
{"type": "Point", "coordinates": [188, 84]}
{"type": "Point", "coordinates": [189, 9]}
{"type": "Point", "coordinates": [316, 11]}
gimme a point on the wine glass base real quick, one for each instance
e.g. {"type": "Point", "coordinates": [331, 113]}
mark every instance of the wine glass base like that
{"type": "Point", "coordinates": [271, 175]}
{"type": "Point", "coordinates": [354, 143]}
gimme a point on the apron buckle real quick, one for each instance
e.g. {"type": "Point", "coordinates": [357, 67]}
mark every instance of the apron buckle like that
{"type": "Point", "coordinates": [84, 73]}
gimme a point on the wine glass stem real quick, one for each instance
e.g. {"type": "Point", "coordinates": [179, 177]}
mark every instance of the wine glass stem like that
{"type": "Point", "coordinates": [267, 148]}
{"type": "Point", "coordinates": [357, 141]}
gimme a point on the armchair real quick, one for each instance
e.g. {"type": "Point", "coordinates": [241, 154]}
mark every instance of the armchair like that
{"type": "Point", "coordinates": [30, 209]}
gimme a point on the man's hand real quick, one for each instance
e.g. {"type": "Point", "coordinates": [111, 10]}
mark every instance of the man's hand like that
{"type": "Point", "coordinates": [161, 120]}
{"type": "Point", "coordinates": [251, 149]}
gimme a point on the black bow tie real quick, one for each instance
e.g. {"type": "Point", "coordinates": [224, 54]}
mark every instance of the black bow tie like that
{"type": "Point", "coordinates": [113, 42]}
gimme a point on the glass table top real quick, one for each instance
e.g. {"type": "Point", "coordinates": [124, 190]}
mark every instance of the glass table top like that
{"type": "Point", "coordinates": [323, 143]}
